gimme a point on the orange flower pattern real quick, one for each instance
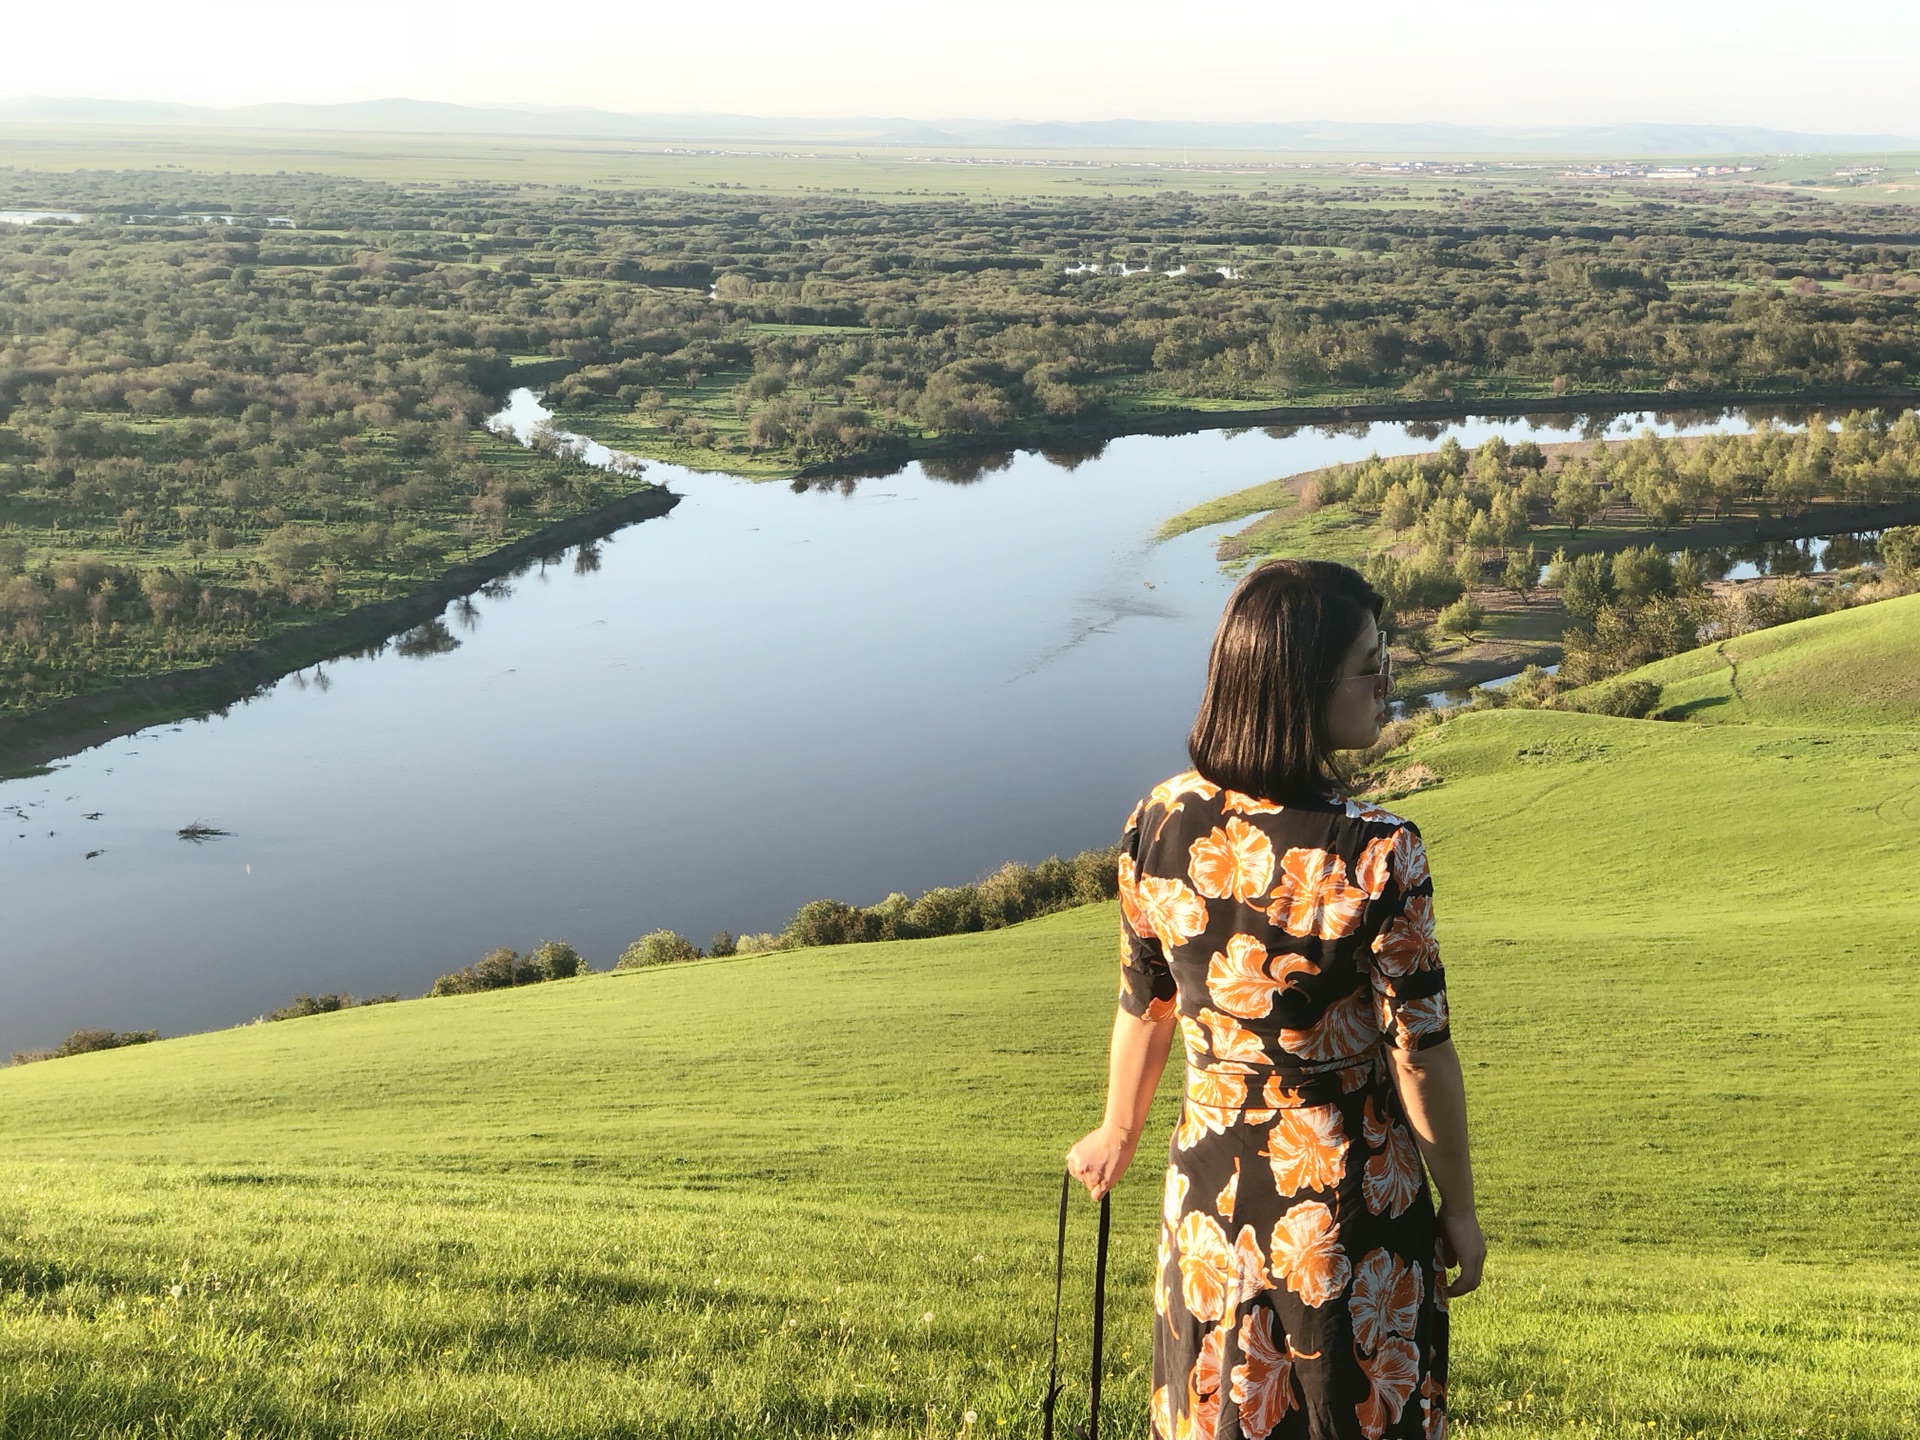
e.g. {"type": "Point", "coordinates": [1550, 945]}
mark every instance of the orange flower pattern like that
{"type": "Point", "coordinates": [1243, 980]}
{"type": "Point", "coordinates": [1297, 1262]}
{"type": "Point", "coordinates": [1313, 896]}
{"type": "Point", "coordinates": [1167, 796]}
{"type": "Point", "coordinates": [1392, 1179]}
{"type": "Point", "coordinates": [1407, 944]}
{"type": "Point", "coordinates": [1307, 1253]}
{"type": "Point", "coordinates": [1262, 1383]}
{"type": "Point", "coordinates": [1392, 1372]}
{"type": "Point", "coordinates": [1203, 1391]}
{"type": "Point", "coordinates": [1308, 1149]}
{"type": "Point", "coordinates": [1386, 1299]}
{"type": "Point", "coordinates": [1223, 1202]}
{"type": "Point", "coordinates": [1232, 863]}
{"type": "Point", "coordinates": [1208, 1268]}
{"type": "Point", "coordinates": [1228, 1039]}
{"type": "Point", "coordinates": [1172, 912]}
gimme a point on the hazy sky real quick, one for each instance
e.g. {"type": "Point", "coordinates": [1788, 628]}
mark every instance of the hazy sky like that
{"type": "Point", "coordinates": [1474, 61]}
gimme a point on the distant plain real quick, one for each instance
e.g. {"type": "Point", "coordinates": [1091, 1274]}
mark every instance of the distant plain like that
{"type": "Point", "coordinates": [894, 171]}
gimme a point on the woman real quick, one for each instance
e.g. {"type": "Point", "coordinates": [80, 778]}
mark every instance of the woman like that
{"type": "Point", "coordinates": [1288, 934]}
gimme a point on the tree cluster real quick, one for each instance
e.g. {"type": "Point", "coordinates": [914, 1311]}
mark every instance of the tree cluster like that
{"type": "Point", "coordinates": [503, 969]}
{"type": "Point", "coordinates": [1450, 521]}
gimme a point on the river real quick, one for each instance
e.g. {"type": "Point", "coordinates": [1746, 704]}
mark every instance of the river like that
{"type": "Point", "coordinates": [768, 696]}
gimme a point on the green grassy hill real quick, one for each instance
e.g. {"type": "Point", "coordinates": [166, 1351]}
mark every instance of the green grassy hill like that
{"type": "Point", "coordinates": [809, 1193]}
{"type": "Point", "coordinates": [1846, 670]}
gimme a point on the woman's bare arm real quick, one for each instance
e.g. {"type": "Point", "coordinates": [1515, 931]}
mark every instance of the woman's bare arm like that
{"type": "Point", "coordinates": [1434, 1093]}
{"type": "Point", "coordinates": [1134, 1066]}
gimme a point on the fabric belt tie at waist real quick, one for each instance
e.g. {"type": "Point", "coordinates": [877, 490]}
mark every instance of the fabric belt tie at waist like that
{"type": "Point", "coordinates": [1242, 1085]}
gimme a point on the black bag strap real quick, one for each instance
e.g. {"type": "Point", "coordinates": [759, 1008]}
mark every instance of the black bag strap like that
{"type": "Point", "coordinates": [1047, 1404]}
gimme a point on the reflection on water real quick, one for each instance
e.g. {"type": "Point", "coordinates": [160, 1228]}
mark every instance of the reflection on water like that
{"type": "Point", "coordinates": [772, 694]}
{"type": "Point", "coordinates": [1820, 554]}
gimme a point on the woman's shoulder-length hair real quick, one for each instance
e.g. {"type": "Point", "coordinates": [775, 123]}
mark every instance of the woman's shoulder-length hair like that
{"type": "Point", "coordinates": [1276, 658]}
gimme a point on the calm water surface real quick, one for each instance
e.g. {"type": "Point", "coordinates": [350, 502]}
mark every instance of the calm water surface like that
{"type": "Point", "coordinates": [763, 698]}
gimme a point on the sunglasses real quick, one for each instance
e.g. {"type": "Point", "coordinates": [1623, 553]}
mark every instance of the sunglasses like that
{"type": "Point", "coordinates": [1382, 678]}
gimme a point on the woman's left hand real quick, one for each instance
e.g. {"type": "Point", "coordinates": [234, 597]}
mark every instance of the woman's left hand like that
{"type": "Point", "coordinates": [1100, 1158]}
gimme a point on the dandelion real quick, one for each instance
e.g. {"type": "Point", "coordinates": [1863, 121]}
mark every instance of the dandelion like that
{"type": "Point", "coordinates": [972, 1417]}
{"type": "Point", "coordinates": [927, 1319]}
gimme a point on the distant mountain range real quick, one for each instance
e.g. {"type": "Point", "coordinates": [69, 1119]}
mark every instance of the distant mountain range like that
{"type": "Point", "coordinates": [434, 117]}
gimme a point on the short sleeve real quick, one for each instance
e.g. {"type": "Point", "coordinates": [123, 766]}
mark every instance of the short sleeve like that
{"type": "Point", "coordinates": [1146, 984]}
{"type": "Point", "coordinates": [1409, 985]}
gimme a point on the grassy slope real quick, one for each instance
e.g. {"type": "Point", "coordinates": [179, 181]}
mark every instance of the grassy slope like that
{"type": "Point", "coordinates": [720, 1198]}
{"type": "Point", "coordinates": [1851, 667]}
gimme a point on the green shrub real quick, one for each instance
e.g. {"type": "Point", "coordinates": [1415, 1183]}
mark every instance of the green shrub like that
{"type": "Point", "coordinates": [759, 944]}
{"type": "Point", "coordinates": [83, 1042]}
{"type": "Point", "coordinates": [1011, 894]}
{"type": "Point", "coordinates": [1585, 583]}
{"type": "Point", "coordinates": [1529, 690]}
{"type": "Point", "coordinates": [823, 922]}
{"type": "Point", "coordinates": [1628, 700]}
{"type": "Point", "coordinates": [555, 960]}
{"type": "Point", "coordinates": [1762, 609]}
{"type": "Point", "coordinates": [948, 910]}
{"type": "Point", "coordinates": [659, 947]}
{"type": "Point", "coordinates": [1422, 582]}
{"type": "Point", "coordinates": [1624, 637]}
{"type": "Point", "coordinates": [304, 1005]}
{"type": "Point", "coordinates": [496, 970]}
{"type": "Point", "coordinates": [1899, 548]}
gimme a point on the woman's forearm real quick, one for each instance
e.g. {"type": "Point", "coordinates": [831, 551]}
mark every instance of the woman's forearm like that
{"type": "Point", "coordinates": [1134, 1066]}
{"type": "Point", "coordinates": [1435, 1096]}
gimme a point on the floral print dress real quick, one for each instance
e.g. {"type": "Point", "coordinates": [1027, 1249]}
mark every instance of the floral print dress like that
{"type": "Point", "coordinates": [1296, 1290]}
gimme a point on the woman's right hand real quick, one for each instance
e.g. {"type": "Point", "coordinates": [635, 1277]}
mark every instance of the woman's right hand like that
{"type": "Point", "coordinates": [1462, 1244]}
{"type": "Point", "coordinates": [1100, 1158]}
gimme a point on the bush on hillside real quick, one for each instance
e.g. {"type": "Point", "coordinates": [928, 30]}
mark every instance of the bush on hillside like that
{"type": "Point", "coordinates": [1011, 894]}
{"type": "Point", "coordinates": [1625, 637]}
{"type": "Point", "coordinates": [1628, 700]}
{"type": "Point", "coordinates": [660, 947]}
{"type": "Point", "coordinates": [555, 960]}
{"type": "Point", "coordinates": [304, 1005]}
{"type": "Point", "coordinates": [503, 969]}
{"type": "Point", "coordinates": [1529, 690]}
{"type": "Point", "coordinates": [85, 1042]}
{"type": "Point", "coordinates": [1759, 608]}
{"type": "Point", "coordinates": [1899, 548]}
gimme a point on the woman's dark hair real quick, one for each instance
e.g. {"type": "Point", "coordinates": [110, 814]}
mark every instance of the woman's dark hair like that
{"type": "Point", "coordinates": [1276, 656]}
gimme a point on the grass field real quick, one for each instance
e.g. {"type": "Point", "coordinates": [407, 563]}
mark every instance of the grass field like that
{"type": "Point", "coordinates": [809, 1193]}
